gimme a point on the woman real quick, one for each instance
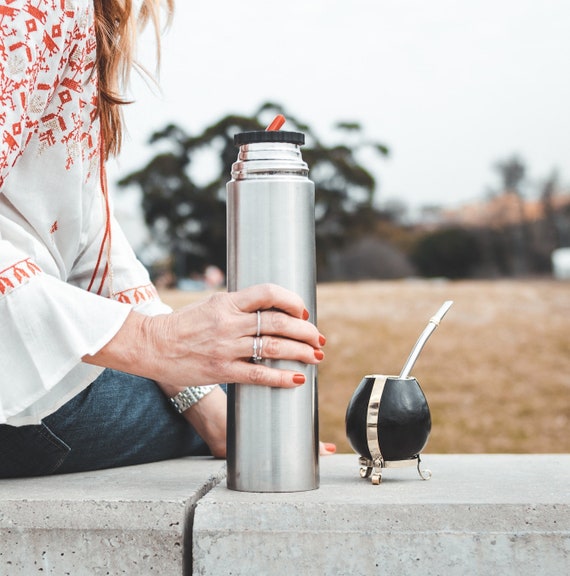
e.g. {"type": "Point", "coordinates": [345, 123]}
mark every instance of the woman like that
{"type": "Point", "coordinates": [90, 356]}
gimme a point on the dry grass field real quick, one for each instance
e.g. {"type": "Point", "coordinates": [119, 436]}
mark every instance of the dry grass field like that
{"type": "Point", "coordinates": [496, 372]}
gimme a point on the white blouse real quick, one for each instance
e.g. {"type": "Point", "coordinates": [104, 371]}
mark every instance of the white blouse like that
{"type": "Point", "coordinates": [68, 277]}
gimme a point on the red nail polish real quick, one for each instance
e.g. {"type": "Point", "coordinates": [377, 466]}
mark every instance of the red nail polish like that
{"type": "Point", "coordinates": [306, 314]}
{"type": "Point", "coordinates": [322, 340]}
{"type": "Point", "coordinates": [299, 378]}
{"type": "Point", "coordinates": [319, 355]}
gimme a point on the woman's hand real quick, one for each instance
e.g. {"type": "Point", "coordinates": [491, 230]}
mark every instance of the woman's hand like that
{"type": "Point", "coordinates": [212, 341]}
{"type": "Point", "coordinates": [215, 340]}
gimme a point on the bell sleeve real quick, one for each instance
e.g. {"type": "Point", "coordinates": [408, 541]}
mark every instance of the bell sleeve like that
{"type": "Point", "coordinates": [47, 327]}
{"type": "Point", "coordinates": [48, 319]}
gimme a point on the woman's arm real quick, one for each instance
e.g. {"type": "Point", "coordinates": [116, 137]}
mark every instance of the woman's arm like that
{"type": "Point", "coordinates": [212, 341]}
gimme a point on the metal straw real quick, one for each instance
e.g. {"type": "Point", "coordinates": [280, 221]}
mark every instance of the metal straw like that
{"type": "Point", "coordinates": [432, 325]}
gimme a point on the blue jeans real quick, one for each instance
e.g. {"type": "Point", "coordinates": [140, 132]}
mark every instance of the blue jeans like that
{"type": "Point", "coordinates": [119, 420]}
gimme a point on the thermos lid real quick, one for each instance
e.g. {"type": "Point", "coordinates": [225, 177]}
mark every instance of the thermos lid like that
{"type": "Point", "coordinates": [269, 136]}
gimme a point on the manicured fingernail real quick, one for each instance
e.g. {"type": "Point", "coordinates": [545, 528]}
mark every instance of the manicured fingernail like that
{"type": "Point", "coordinates": [319, 354]}
{"type": "Point", "coordinates": [299, 378]}
{"type": "Point", "coordinates": [322, 340]}
{"type": "Point", "coordinates": [330, 447]}
{"type": "Point", "coordinates": [306, 314]}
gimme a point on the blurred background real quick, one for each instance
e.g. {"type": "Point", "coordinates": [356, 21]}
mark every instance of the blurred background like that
{"type": "Point", "coordinates": [438, 136]}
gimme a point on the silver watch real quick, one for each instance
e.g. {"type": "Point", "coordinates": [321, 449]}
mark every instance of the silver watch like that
{"type": "Point", "coordinates": [189, 396]}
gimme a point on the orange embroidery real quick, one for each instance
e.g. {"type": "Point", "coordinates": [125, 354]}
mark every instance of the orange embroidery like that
{"type": "Point", "coordinates": [46, 71]}
{"type": "Point", "coordinates": [137, 295]}
{"type": "Point", "coordinates": [48, 91]}
{"type": "Point", "coordinates": [17, 274]}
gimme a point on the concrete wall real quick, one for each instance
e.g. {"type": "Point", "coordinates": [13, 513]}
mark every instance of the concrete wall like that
{"type": "Point", "coordinates": [479, 514]}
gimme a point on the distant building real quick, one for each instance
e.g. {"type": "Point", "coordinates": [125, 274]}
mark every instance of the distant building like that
{"type": "Point", "coordinates": [501, 211]}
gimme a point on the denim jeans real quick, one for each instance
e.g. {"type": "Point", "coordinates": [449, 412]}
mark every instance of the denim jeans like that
{"type": "Point", "coordinates": [119, 420]}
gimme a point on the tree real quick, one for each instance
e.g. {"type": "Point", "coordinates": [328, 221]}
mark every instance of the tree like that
{"type": "Point", "coordinates": [512, 173]}
{"type": "Point", "coordinates": [547, 194]}
{"type": "Point", "coordinates": [450, 252]}
{"type": "Point", "coordinates": [188, 217]}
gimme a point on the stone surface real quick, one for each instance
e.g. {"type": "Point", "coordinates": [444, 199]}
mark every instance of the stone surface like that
{"type": "Point", "coordinates": [479, 514]}
{"type": "Point", "coordinates": [133, 520]}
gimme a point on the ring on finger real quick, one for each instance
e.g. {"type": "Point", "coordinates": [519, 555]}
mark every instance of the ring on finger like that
{"type": "Point", "coordinates": [258, 324]}
{"type": "Point", "coordinates": [257, 349]}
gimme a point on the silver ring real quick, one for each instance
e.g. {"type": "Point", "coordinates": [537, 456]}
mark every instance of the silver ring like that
{"type": "Point", "coordinates": [258, 323]}
{"type": "Point", "coordinates": [257, 348]}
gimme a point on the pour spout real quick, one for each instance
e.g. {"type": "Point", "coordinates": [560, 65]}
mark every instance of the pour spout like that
{"type": "Point", "coordinates": [432, 325]}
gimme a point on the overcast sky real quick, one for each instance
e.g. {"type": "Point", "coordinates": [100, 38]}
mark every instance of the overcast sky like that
{"type": "Point", "coordinates": [450, 86]}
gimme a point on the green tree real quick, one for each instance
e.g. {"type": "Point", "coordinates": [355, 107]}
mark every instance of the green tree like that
{"type": "Point", "coordinates": [188, 217]}
{"type": "Point", "coordinates": [450, 252]}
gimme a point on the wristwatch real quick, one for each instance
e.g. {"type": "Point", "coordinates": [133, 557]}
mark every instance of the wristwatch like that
{"type": "Point", "coordinates": [189, 396]}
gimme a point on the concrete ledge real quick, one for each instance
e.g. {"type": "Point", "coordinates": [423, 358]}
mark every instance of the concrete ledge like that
{"type": "Point", "coordinates": [133, 520]}
{"type": "Point", "coordinates": [479, 514]}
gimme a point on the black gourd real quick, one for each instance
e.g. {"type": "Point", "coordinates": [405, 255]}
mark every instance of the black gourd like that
{"type": "Point", "coordinates": [404, 419]}
{"type": "Point", "coordinates": [388, 418]}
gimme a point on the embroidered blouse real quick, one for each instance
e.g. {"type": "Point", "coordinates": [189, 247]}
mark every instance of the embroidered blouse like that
{"type": "Point", "coordinates": [68, 277]}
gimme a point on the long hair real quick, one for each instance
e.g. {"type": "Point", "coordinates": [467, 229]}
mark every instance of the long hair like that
{"type": "Point", "coordinates": [116, 27]}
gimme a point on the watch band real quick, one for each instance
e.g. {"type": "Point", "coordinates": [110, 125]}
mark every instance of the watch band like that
{"type": "Point", "coordinates": [189, 396]}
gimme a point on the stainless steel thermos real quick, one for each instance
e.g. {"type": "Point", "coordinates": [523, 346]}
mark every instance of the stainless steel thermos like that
{"type": "Point", "coordinates": [272, 433]}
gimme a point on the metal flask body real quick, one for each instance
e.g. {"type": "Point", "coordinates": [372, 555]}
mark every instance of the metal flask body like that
{"type": "Point", "coordinates": [272, 443]}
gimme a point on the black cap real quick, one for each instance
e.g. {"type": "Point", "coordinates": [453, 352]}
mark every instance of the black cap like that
{"type": "Point", "coordinates": [269, 136]}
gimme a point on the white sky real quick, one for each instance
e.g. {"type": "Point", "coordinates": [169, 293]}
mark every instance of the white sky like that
{"type": "Point", "coordinates": [451, 86]}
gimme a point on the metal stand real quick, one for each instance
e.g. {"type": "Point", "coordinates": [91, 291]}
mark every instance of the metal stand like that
{"type": "Point", "coordinates": [373, 468]}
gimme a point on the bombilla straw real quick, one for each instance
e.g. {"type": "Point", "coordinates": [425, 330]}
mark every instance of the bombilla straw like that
{"type": "Point", "coordinates": [432, 325]}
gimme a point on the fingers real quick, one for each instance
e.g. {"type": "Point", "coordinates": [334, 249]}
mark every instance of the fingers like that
{"type": "Point", "coordinates": [276, 323]}
{"type": "Point", "coordinates": [258, 374]}
{"type": "Point", "coordinates": [275, 348]}
{"type": "Point", "coordinates": [268, 309]}
{"type": "Point", "coordinates": [266, 296]}
{"type": "Point", "coordinates": [213, 341]}
{"type": "Point", "coordinates": [327, 448]}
